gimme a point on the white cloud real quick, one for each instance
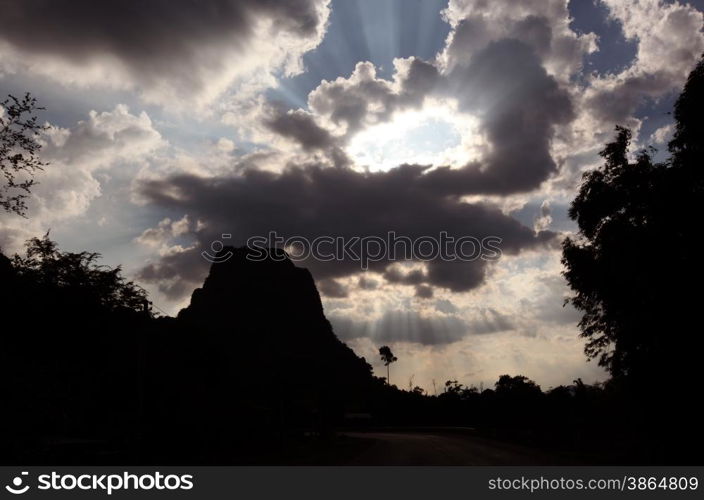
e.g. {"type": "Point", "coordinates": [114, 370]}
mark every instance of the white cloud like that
{"type": "Point", "coordinates": [669, 43]}
{"type": "Point", "coordinates": [669, 35]}
{"type": "Point", "coordinates": [225, 145]}
{"type": "Point", "coordinates": [162, 236]}
{"type": "Point", "coordinates": [663, 134]}
{"type": "Point", "coordinates": [70, 182]}
{"type": "Point", "coordinates": [544, 25]}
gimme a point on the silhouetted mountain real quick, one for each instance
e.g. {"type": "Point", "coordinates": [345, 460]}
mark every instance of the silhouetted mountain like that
{"type": "Point", "coordinates": [268, 316]}
{"type": "Point", "coordinates": [254, 352]}
{"type": "Point", "coordinates": [272, 307]}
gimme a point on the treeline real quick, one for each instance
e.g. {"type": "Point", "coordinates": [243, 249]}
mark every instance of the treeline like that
{"type": "Point", "coordinates": [70, 364]}
{"type": "Point", "coordinates": [603, 423]}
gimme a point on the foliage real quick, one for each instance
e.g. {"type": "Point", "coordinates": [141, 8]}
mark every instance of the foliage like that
{"type": "Point", "coordinates": [387, 356]}
{"type": "Point", "coordinates": [19, 148]}
{"type": "Point", "coordinates": [518, 386]}
{"type": "Point", "coordinates": [635, 257]}
{"type": "Point", "coordinates": [78, 273]}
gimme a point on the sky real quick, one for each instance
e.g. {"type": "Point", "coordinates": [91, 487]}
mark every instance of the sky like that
{"type": "Point", "coordinates": [172, 123]}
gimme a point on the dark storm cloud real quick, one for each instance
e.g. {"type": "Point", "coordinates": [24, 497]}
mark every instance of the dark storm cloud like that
{"type": "Point", "coordinates": [300, 126]}
{"type": "Point", "coordinates": [455, 276]}
{"type": "Point", "coordinates": [519, 106]}
{"type": "Point", "coordinates": [155, 40]}
{"type": "Point", "coordinates": [313, 201]}
{"type": "Point", "coordinates": [176, 274]}
{"type": "Point", "coordinates": [618, 104]}
{"type": "Point", "coordinates": [395, 275]}
{"type": "Point", "coordinates": [419, 78]}
{"type": "Point", "coordinates": [143, 33]}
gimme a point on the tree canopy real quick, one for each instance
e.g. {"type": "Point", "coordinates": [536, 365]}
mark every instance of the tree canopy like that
{"type": "Point", "coordinates": [635, 259]}
{"type": "Point", "coordinates": [78, 274]}
{"type": "Point", "coordinates": [19, 148]}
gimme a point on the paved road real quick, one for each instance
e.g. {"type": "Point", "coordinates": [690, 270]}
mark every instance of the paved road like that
{"type": "Point", "coordinates": [443, 448]}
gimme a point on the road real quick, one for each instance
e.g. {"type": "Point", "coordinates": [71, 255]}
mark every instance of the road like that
{"type": "Point", "coordinates": [443, 448]}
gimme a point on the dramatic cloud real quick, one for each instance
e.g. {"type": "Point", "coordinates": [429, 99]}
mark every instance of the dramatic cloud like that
{"type": "Point", "coordinates": [169, 51]}
{"type": "Point", "coordinates": [314, 201]}
{"type": "Point", "coordinates": [504, 84]}
{"type": "Point", "coordinates": [519, 105]}
{"type": "Point", "coordinates": [542, 25]}
{"type": "Point", "coordinates": [300, 127]}
{"type": "Point", "coordinates": [350, 104]}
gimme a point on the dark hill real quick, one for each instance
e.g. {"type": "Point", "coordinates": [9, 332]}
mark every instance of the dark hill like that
{"type": "Point", "coordinates": [252, 353]}
{"type": "Point", "coordinates": [268, 316]}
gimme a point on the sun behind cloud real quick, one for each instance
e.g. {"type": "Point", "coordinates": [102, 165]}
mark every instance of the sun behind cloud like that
{"type": "Point", "coordinates": [437, 134]}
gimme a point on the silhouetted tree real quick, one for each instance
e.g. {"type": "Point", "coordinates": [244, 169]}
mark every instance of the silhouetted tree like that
{"type": "Point", "coordinates": [19, 148]}
{"type": "Point", "coordinates": [636, 256]}
{"type": "Point", "coordinates": [455, 390]}
{"type": "Point", "coordinates": [686, 146]}
{"type": "Point", "coordinates": [517, 387]}
{"type": "Point", "coordinates": [387, 357]}
{"type": "Point", "coordinates": [77, 273]}
{"type": "Point", "coordinates": [453, 387]}
{"type": "Point", "coordinates": [418, 390]}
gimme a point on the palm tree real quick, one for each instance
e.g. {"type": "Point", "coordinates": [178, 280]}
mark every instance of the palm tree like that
{"type": "Point", "coordinates": [387, 357]}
